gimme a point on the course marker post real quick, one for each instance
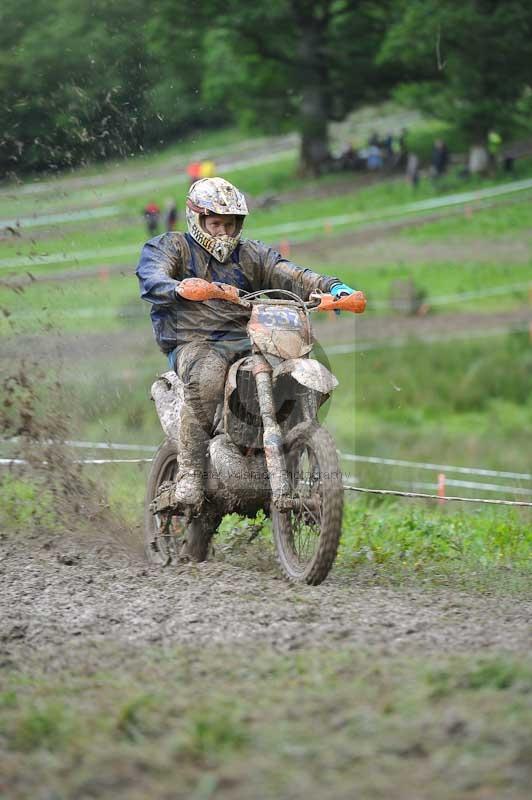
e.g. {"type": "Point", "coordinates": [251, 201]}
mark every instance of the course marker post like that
{"type": "Point", "coordinates": [441, 487]}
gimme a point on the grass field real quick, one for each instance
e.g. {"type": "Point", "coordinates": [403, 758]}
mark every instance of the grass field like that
{"type": "Point", "coordinates": [457, 724]}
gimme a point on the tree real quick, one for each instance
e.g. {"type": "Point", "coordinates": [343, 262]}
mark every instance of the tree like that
{"type": "Point", "coordinates": [295, 63]}
{"type": "Point", "coordinates": [87, 79]}
{"type": "Point", "coordinates": [176, 33]}
{"type": "Point", "coordinates": [469, 62]}
{"type": "Point", "coordinates": [73, 79]}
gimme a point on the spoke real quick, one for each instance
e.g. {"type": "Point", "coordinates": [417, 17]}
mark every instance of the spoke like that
{"type": "Point", "coordinates": [305, 524]}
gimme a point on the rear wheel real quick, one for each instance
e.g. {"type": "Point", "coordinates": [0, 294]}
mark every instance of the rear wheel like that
{"type": "Point", "coordinates": [170, 537]}
{"type": "Point", "coordinates": [307, 539]}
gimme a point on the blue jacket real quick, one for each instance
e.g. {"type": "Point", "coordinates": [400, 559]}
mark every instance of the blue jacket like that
{"type": "Point", "coordinates": [172, 257]}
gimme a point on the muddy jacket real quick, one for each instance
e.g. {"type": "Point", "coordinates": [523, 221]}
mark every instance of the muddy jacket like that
{"type": "Point", "coordinates": [172, 257]}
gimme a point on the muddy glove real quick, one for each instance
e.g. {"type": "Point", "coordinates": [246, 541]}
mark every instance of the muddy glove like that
{"type": "Point", "coordinates": [240, 291]}
{"type": "Point", "coordinates": [340, 290]}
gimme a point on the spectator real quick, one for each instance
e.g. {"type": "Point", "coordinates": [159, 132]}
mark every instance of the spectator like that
{"type": "Point", "coordinates": [412, 169]}
{"type": "Point", "coordinates": [171, 215]}
{"type": "Point", "coordinates": [152, 214]}
{"type": "Point", "coordinates": [403, 148]}
{"type": "Point", "coordinates": [388, 145]}
{"type": "Point", "coordinates": [374, 157]}
{"type": "Point", "coordinates": [349, 158]}
{"type": "Point", "coordinates": [207, 169]}
{"type": "Point", "coordinates": [194, 171]}
{"type": "Point", "coordinates": [440, 158]}
{"type": "Point", "coordinates": [494, 148]}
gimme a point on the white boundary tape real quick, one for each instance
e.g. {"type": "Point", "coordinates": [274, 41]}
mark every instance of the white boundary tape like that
{"type": "Point", "coordinates": [399, 462]}
{"type": "Point", "coordinates": [88, 312]}
{"type": "Point", "coordinates": [148, 448]}
{"type": "Point", "coordinates": [440, 300]}
{"type": "Point", "coordinates": [484, 487]}
{"type": "Point", "coordinates": [20, 461]}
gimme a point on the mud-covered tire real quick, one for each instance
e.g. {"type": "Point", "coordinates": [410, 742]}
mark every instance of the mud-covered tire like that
{"type": "Point", "coordinates": [191, 540]}
{"type": "Point", "coordinates": [321, 528]}
{"type": "Point", "coordinates": [198, 536]}
{"type": "Point", "coordinates": [163, 468]}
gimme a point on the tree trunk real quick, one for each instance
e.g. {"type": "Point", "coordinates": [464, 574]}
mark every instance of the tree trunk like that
{"type": "Point", "coordinates": [314, 131]}
{"type": "Point", "coordinates": [314, 82]}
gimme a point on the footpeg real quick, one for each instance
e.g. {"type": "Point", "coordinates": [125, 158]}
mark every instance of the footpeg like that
{"type": "Point", "coordinates": [165, 500]}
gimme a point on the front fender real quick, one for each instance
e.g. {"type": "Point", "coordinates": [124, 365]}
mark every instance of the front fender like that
{"type": "Point", "coordinates": [308, 372]}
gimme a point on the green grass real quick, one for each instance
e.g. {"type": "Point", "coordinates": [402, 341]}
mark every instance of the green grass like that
{"type": "Point", "coordinates": [464, 403]}
{"type": "Point", "coordinates": [441, 282]}
{"type": "Point", "coordinates": [62, 191]}
{"type": "Point", "coordinates": [437, 277]}
{"type": "Point", "coordinates": [477, 547]}
{"type": "Point", "coordinates": [242, 723]}
{"type": "Point", "coordinates": [513, 218]}
{"type": "Point", "coordinates": [479, 388]}
{"type": "Point", "coordinates": [107, 302]}
{"type": "Point", "coordinates": [457, 403]}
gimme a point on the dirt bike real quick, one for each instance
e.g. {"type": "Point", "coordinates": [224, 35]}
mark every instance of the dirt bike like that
{"type": "Point", "coordinates": [267, 449]}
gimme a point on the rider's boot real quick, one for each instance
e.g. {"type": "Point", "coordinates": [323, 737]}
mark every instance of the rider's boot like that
{"type": "Point", "coordinates": [191, 448]}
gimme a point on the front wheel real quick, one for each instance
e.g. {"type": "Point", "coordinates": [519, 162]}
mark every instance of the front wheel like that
{"type": "Point", "coordinates": [307, 539]}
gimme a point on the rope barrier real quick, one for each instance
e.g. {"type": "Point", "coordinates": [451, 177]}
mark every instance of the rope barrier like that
{"type": "Point", "coordinates": [483, 487]}
{"type": "Point", "coordinates": [349, 487]}
{"type": "Point", "coordinates": [437, 497]}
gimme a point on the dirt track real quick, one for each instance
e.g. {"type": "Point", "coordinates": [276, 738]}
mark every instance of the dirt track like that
{"type": "Point", "coordinates": [60, 594]}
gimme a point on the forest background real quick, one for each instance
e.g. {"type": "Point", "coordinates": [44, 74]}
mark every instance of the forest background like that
{"type": "Point", "coordinates": [83, 81]}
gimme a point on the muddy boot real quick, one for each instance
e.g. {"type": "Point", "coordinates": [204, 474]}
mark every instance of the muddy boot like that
{"type": "Point", "coordinates": [192, 448]}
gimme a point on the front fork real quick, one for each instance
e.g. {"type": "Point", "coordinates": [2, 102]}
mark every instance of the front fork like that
{"type": "Point", "coordinates": [273, 438]}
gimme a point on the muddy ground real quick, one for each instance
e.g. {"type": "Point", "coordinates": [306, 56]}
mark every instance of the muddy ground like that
{"type": "Point", "coordinates": [120, 680]}
{"type": "Point", "coordinates": [58, 593]}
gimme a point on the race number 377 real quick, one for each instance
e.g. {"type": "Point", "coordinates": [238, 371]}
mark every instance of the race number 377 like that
{"type": "Point", "coordinates": [276, 316]}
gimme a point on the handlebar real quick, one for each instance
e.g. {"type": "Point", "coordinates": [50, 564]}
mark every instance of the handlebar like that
{"type": "Point", "coordinates": [199, 290]}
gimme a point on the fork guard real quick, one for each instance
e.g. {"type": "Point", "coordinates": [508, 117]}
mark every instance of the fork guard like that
{"type": "Point", "coordinates": [306, 371]}
{"type": "Point", "coordinates": [309, 373]}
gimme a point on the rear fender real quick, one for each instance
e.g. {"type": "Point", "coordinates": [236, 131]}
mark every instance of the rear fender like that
{"type": "Point", "coordinates": [167, 393]}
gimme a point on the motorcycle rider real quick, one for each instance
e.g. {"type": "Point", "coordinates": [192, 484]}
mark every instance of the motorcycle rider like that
{"type": "Point", "coordinates": [202, 339]}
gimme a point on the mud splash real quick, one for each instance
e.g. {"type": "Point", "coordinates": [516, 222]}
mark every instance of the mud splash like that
{"type": "Point", "coordinates": [46, 490]}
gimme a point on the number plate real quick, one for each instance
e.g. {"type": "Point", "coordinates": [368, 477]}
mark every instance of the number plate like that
{"type": "Point", "coordinates": [278, 317]}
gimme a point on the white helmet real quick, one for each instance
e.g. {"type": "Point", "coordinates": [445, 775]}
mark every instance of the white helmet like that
{"type": "Point", "coordinates": [215, 196]}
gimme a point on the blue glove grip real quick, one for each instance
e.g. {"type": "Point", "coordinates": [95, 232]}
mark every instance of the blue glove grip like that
{"type": "Point", "coordinates": [341, 288]}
